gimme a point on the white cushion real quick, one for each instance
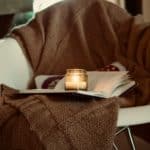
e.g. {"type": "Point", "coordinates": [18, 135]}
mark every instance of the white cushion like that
{"type": "Point", "coordinates": [15, 70]}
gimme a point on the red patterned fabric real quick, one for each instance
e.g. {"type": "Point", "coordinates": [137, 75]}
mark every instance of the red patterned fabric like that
{"type": "Point", "coordinates": [109, 68]}
{"type": "Point", "coordinates": [51, 82]}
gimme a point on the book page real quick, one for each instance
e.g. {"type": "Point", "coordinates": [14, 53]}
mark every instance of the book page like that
{"type": "Point", "coordinates": [100, 84]}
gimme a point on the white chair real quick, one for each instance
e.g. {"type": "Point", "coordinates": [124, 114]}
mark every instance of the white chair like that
{"type": "Point", "coordinates": [39, 5]}
{"type": "Point", "coordinates": [132, 116]}
{"type": "Point", "coordinates": [16, 72]}
{"type": "Point", "coordinates": [43, 4]}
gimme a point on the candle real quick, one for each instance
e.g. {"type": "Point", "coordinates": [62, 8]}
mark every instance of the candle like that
{"type": "Point", "coordinates": [76, 79]}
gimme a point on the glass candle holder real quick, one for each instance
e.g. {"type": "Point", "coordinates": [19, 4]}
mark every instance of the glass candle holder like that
{"type": "Point", "coordinates": [76, 79]}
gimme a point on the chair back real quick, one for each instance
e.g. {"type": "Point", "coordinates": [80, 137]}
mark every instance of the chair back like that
{"type": "Point", "coordinates": [16, 72]}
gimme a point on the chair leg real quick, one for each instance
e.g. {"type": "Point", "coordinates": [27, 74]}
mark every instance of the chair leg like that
{"type": "Point", "coordinates": [115, 147]}
{"type": "Point", "coordinates": [131, 138]}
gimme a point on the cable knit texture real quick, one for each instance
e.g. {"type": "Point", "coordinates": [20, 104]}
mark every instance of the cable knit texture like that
{"type": "Point", "coordinates": [56, 122]}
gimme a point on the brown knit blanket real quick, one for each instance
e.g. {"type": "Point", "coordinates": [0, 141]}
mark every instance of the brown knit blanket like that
{"type": "Point", "coordinates": [56, 122]}
{"type": "Point", "coordinates": [85, 34]}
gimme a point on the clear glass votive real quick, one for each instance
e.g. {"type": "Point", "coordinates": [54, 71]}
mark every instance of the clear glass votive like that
{"type": "Point", "coordinates": [76, 79]}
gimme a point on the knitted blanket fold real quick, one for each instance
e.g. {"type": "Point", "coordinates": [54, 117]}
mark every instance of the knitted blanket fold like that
{"type": "Point", "coordinates": [56, 122]}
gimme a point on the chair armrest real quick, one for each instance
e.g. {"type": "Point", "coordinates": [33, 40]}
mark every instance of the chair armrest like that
{"type": "Point", "coordinates": [133, 116]}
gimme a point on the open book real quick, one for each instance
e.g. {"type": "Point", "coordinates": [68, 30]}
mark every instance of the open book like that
{"type": "Point", "coordinates": [100, 84]}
